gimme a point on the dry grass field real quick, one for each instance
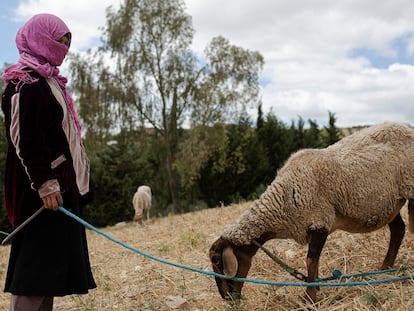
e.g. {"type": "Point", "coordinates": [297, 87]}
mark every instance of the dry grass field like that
{"type": "Point", "coordinates": [128, 281]}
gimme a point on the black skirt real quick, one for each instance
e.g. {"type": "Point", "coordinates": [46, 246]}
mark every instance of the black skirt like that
{"type": "Point", "coordinates": [49, 257]}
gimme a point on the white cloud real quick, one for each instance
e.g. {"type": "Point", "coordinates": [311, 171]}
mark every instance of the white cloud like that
{"type": "Point", "coordinates": [307, 47]}
{"type": "Point", "coordinates": [84, 18]}
{"type": "Point", "coordinates": [312, 49]}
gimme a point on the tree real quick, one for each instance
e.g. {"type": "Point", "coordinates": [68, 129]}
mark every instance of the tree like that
{"type": "Point", "coordinates": [331, 134]}
{"type": "Point", "coordinates": [156, 81]}
{"type": "Point", "coordinates": [96, 93]}
{"type": "Point", "coordinates": [297, 134]}
{"type": "Point", "coordinates": [313, 139]}
{"type": "Point", "coordinates": [196, 149]}
{"type": "Point", "coordinates": [260, 120]}
{"type": "Point", "coordinates": [275, 138]}
{"type": "Point", "coordinates": [238, 170]}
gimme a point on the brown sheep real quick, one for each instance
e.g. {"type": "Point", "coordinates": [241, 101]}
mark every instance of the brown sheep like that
{"type": "Point", "coordinates": [358, 185]}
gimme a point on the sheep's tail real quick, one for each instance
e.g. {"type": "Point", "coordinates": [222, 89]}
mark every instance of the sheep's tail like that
{"type": "Point", "coordinates": [411, 215]}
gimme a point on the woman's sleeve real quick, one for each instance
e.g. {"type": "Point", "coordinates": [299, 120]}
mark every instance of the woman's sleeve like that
{"type": "Point", "coordinates": [29, 134]}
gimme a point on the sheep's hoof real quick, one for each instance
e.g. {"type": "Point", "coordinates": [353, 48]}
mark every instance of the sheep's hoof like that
{"type": "Point", "coordinates": [386, 266]}
{"type": "Point", "coordinates": [234, 296]}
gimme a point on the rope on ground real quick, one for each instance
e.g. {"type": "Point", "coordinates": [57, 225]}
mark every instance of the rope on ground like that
{"type": "Point", "coordinates": [337, 275]}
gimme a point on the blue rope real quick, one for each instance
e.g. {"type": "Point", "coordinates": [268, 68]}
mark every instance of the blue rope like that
{"type": "Point", "coordinates": [336, 275]}
{"type": "Point", "coordinates": [4, 233]}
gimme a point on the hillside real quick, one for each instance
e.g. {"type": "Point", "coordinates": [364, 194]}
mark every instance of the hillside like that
{"type": "Point", "coordinates": [128, 281]}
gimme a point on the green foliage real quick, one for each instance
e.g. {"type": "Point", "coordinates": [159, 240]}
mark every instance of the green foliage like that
{"type": "Point", "coordinates": [244, 166]}
{"type": "Point", "coordinates": [313, 137]}
{"type": "Point", "coordinates": [246, 160]}
{"type": "Point", "coordinates": [191, 239]}
{"type": "Point", "coordinates": [196, 148]}
{"type": "Point", "coordinates": [117, 170]}
{"type": "Point", "coordinates": [276, 141]}
{"type": "Point", "coordinates": [96, 95]}
{"type": "Point", "coordinates": [228, 83]}
{"type": "Point", "coordinates": [332, 134]}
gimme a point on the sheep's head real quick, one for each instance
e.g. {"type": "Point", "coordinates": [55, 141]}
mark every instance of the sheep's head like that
{"type": "Point", "coordinates": [232, 261]}
{"type": "Point", "coordinates": [138, 218]}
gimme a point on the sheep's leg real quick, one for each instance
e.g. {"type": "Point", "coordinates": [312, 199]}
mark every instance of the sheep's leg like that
{"type": "Point", "coordinates": [318, 239]}
{"type": "Point", "coordinates": [397, 228]}
{"type": "Point", "coordinates": [411, 215]}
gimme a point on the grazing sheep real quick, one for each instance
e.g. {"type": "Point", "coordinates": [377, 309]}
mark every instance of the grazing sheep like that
{"type": "Point", "coordinates": [142, 203]}
{"type": "Point", "coordinates": [358, 185]}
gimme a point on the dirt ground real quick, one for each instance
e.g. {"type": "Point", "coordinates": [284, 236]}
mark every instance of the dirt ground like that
{"type": "Point", "coordinates": [129, 281]}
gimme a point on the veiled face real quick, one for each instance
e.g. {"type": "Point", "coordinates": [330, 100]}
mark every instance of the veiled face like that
{"type": "Point", "coordinates": [231, 261]}
{"type": "Point", "coordinates": [40, 39]}
{"type": "Point", "coordinates": [65, 40]}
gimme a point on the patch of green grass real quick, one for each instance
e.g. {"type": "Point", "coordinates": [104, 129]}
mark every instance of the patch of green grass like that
{"type": "Point", "coordinates": [191, 239]}
{"type": "Point", "coordinates": [163, 248]}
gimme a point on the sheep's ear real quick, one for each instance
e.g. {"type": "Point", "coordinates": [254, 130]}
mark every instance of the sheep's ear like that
{"type": "Point", "coordinates": [230, 264]}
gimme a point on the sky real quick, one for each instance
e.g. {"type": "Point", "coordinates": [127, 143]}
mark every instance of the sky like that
{"type": "Point", "coordinates": [354, 58]}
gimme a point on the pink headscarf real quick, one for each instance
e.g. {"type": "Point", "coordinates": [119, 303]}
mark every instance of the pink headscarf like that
{"type": "Point", "coordinates": [39, 50]}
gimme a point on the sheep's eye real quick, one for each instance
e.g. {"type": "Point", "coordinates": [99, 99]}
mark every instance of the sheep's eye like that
{"type": "Point", "coordinates": [216, 260]}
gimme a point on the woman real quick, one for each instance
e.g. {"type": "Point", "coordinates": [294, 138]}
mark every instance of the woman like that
{"type": "Point", "coordinates": [46, 165]}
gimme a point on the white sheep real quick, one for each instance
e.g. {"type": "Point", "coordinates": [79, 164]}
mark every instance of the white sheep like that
{"type": "Point", "coordinates": [358, 185]}
{"type": "Point", "coordinates": [142, 203]}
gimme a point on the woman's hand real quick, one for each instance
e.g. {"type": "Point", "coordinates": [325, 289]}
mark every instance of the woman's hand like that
{"type": "Point", "coordinates": [53, 201]}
